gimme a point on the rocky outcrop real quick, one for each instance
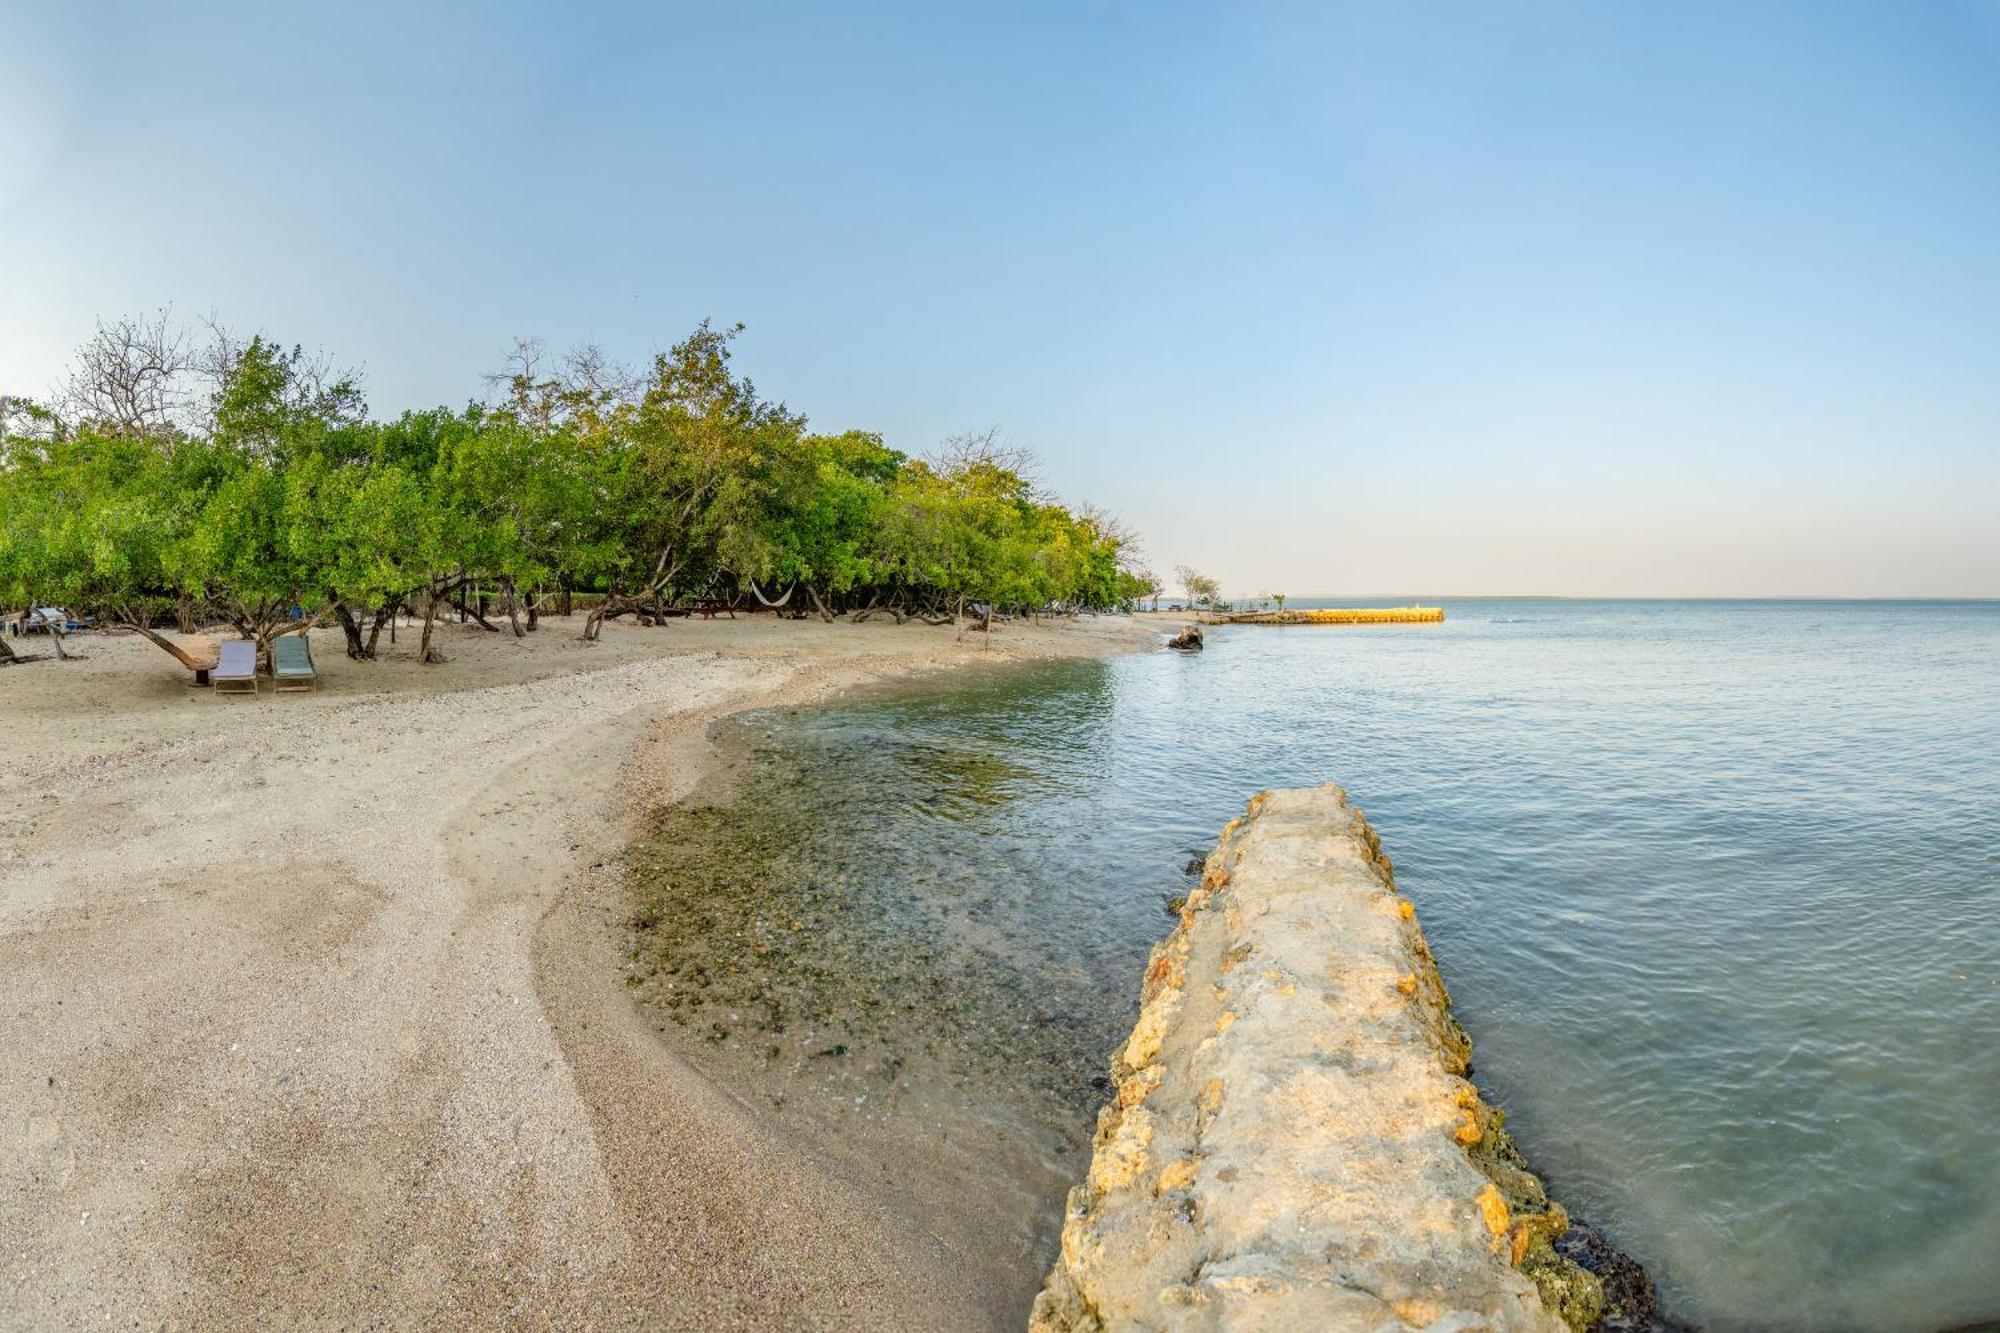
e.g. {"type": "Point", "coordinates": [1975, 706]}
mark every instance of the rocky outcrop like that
{"type": "Point", "coordinates": [1292, 1142]}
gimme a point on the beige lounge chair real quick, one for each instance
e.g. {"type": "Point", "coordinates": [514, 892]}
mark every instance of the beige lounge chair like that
{"type": "Point", "coordinates": [292, 663]}
{"type": "Point", "coordinates": [236, 672]}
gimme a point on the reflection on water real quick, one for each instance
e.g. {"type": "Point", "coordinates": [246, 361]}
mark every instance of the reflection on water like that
{"type": "Point", "coordinates": [1716, 888]}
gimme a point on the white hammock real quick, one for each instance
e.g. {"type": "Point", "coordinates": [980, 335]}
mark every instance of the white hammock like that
{"type": "Point", "coordinates": [781, 601]}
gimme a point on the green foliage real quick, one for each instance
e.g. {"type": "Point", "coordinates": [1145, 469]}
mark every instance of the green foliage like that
{"type": "Point", "coordinates": [89, 521]}
{"type": "Point", "coordinates": [683, 481]}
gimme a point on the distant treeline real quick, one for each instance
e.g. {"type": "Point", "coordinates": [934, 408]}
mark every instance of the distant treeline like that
{"type": "Point", "coordinates": [190, 475]}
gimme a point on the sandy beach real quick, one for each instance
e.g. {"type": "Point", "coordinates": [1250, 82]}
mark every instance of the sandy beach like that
{"type": "Point", "coordinates": [311, 1012]}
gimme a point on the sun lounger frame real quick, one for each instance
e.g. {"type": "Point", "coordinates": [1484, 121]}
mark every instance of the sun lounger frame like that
{"type": "Point", "coordinates": [286, 679]}
{"type": "Point", "coordinates": [235, 682]}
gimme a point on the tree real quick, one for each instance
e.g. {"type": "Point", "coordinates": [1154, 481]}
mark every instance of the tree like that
{"type": "Point", "coordinates": [821, 508]}
{"type": "Point", "coordinates": [257, 548]}
{"type": "Point", "coordinates": [693, 447]}
{"type": "Point", "coordinates": [88, 521]}
{"type": "Point", "coordinates": [1199, 587]}
{"type": "Point", "coordinates": [366, 523]}
{"type": "Point", "coordinates": [243, 479]}
{"type": "Point", "coordinates": [134, 377]}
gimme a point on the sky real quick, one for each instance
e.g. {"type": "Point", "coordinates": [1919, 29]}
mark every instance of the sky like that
{"type": "Point", "coordinates": [1668, 300]}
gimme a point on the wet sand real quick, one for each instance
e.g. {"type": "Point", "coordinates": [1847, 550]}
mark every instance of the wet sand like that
{"type": "Point", "coordinates": [864, 1027]}
{"type": "Point", "coordinates": [312, 1009]}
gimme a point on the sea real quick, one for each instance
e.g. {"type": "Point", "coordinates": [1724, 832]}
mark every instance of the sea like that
{"type": "Point", "coordinates": [1715, 887]}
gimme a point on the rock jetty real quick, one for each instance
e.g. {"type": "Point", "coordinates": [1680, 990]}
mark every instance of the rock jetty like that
{"type": "Point", "coordinates": [1292, 1142]}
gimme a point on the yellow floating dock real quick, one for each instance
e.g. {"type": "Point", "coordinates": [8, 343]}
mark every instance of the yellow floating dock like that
{"type": "Point", "coordinates": [1343, 615]}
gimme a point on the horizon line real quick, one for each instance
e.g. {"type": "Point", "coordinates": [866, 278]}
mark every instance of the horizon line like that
{"type": "Point", "coordinates": [1618, 597]}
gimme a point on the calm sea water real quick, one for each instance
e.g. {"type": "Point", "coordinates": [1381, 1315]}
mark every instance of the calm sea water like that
{"type": "Point", "coordinates": [1715, 886]}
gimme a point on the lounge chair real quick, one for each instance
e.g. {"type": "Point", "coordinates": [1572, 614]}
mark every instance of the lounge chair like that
{"type": "Point", "coordinates": [236, 672]}
{"type": "Point", "coordinates": [292, 663]}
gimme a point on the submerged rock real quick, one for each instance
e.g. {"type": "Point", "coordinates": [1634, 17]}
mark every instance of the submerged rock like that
{"type": "Point", "coordinates": [1631, 1304]}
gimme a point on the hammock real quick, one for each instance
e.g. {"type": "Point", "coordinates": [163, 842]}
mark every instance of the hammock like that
{"type": "Point", "coordinates": [201, 654]}
{"type": "Point", "coordinates": [781, 601]}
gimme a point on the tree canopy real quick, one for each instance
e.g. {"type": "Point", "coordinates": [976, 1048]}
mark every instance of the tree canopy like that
{"type": "Point", "coordinates": [244, 480]}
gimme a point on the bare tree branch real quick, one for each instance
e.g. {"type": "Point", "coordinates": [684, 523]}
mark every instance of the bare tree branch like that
{"type": "Point", "coordinates": [962, 453]}
{"type": "Point", "coordinates": [135, 376]}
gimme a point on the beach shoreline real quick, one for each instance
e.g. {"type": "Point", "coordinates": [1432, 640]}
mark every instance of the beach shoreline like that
{"type": "Point", "coordinates": [331, 1029]}
{"type": "Point", "coordinates": [771, 968]}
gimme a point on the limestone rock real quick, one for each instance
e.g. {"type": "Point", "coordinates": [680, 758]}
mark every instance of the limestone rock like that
{"type": "Point", "coordinates": [1290, 1143]}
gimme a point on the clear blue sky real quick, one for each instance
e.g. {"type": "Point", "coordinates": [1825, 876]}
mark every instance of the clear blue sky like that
{"type": "Point", "coordinates": [1669, 299]}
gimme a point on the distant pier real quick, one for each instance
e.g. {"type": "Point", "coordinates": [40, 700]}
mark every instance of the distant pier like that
{"type": "Point", "coordinates": [1341, 615]}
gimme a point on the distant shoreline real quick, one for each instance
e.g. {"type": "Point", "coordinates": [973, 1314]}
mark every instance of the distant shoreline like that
{"type": "Point", "coordinates": [1403, 598]}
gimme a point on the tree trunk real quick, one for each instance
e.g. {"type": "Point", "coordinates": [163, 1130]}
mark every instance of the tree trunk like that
{"type": "Point", "coordinates": [270, 624]}
{"type": "Point", "coordinates": [388, 613]}
{"type": "Point", "coordinates": [351, 627]}
{"type": "Point", "coordinates": [514, 611]}
{"type": "Point", "coordinates": [426, 654]}
{"type": "Point", "coordinates": [824, 614]}
{"type": "Point", "coordinates": [184, 614]}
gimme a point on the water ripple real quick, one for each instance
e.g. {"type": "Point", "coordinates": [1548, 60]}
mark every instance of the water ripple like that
{"type": "Point", "coordinates": [1716, 888]}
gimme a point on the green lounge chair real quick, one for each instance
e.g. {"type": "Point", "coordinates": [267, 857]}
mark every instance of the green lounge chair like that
{"type": "Point", "coordinates": [292, 663]}
{"type": "Point", "coordinates": [236, 671]}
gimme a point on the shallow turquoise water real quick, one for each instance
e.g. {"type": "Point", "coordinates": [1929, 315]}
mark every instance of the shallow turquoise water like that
{"type": "Point", "coordinates": [1716, 888]}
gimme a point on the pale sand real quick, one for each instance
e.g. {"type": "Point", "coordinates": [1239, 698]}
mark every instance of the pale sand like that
{"type": "Point", "coordinates": [311, 1012]}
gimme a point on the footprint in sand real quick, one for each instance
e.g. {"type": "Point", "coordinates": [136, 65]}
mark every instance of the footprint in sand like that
{"type": "Point", "coordinates": [45, 1140]}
